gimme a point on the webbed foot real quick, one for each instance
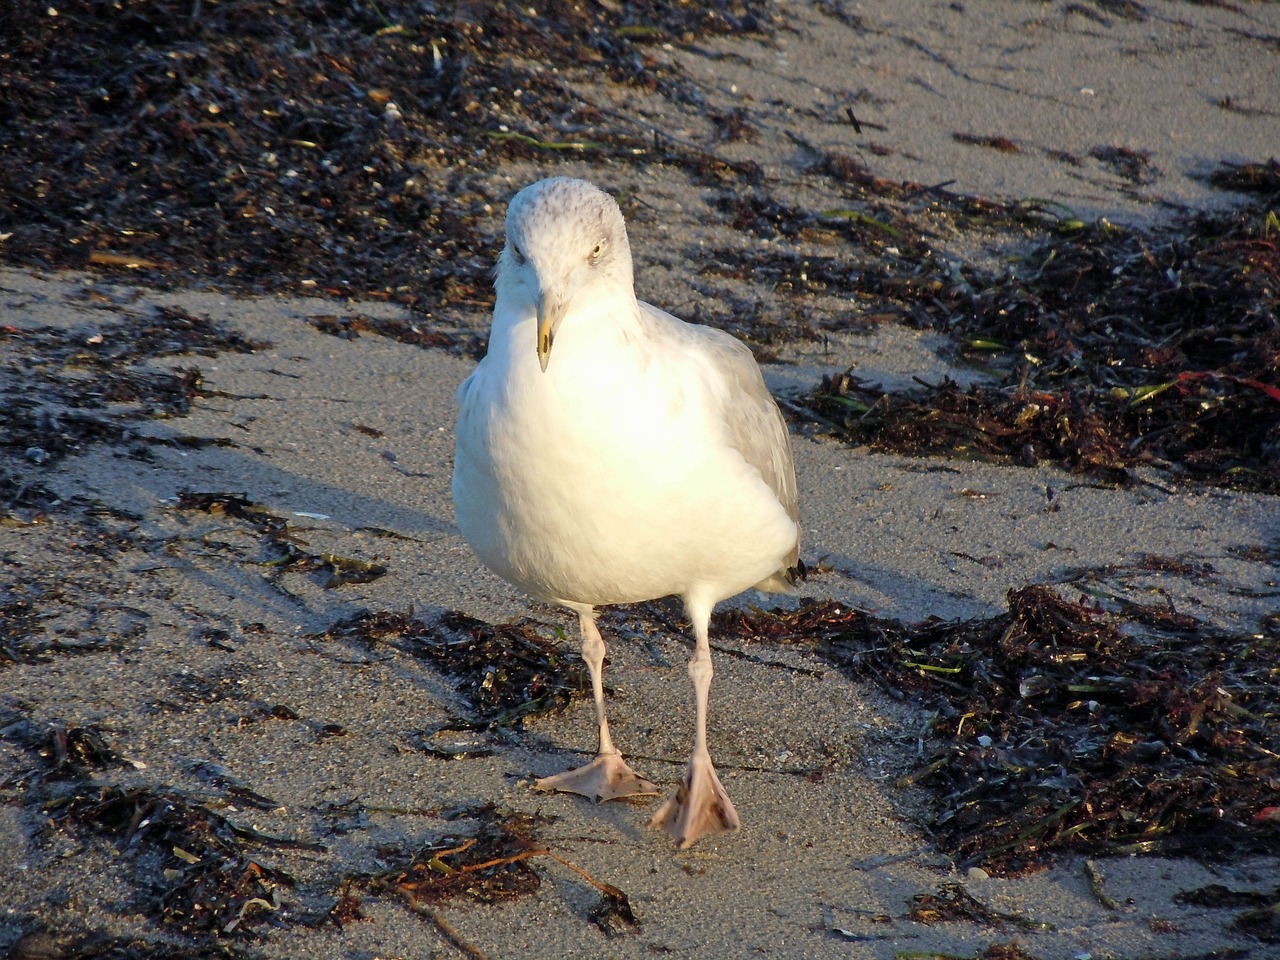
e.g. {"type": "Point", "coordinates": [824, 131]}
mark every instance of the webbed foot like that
{"type": "Point", "coordinates": [607, 777]}
{"type": "Point", "coordinates": [700, 806]}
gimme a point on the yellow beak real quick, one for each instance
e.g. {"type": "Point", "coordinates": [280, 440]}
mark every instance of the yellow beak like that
{"type": "Point", "coordinates": [550, 313]}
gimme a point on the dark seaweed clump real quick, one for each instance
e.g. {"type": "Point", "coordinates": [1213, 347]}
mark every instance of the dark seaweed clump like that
{"type": "Point", "coordinates": [1113, 348]}
{"type": "Point", "coordinates": [506, 671]}
{"type": "Point", "coordinates": [269, 144]}
{"type": "Point", "coordinates": [200, 874]}
{"type": "Point", "coordinates": [492, 865]}
{"type": "Point", "coordinates": [285, 551]}
{"type": "Point", "coordinates": [64, 389]}
{"type": "Point", "coordinates": [199, 868]}
{"type": "Point", "coordinates": [1064, 728]}
{"type": "Point", "coordinates": [212, 882]}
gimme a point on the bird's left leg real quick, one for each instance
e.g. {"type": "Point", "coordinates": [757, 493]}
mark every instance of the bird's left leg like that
{"type": "Point", "coordinates": [700, 805]}
{"type": "Point", "coordinates": [607, 776]}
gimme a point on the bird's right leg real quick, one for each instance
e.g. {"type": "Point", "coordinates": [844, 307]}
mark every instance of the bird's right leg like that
{"type": "Point", "coordinates": [700, 805]}
{"type": "Point", "coordinates": [608, 776]}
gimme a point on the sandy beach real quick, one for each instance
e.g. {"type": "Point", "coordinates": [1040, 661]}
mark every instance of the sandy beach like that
{"type": "Point", "coordinates": [172, 632]}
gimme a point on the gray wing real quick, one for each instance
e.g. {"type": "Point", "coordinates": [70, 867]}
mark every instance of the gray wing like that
{"type": "Point", "coordinates": [756, 427]}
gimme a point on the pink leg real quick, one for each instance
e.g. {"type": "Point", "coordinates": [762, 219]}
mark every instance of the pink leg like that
{"type": "Point", "coordinates": [700, 805]}
{"type": "Point", "coordinates": [608, 776]}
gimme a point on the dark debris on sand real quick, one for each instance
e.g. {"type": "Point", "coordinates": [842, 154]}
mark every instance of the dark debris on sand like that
{"type": "Point", "coordinates": [467, 343]}
{"type": "Point", "coordinates": [64, 753]}
{"type": "Point", "coordinates": [284, 550]}
{"type": "Point", "coordinates": [198, 867]}
{"type": "Point", "coordinates": [70, 602]}
{"type": "Point", "coordinates": [64, 389]}
{"type": "Point", "coordinates": [43, 944]}
{"type": "Point", "coordinates": [506, 671]}
{"type": "Point", "coordinates": [952, 902]}
{"type": "Point", "coordinates": [200, 875]}
{"type": "Point", "coordinates": [1062, 727]}
{"type": "Point", "coordinates": [210, 880]}
{"type": "Point", "coordinates": [349, 149]}
{"type": "Point", "coordinates": [266, 144]}
{"type": "Point", "coordinates": [492, 865]}
{"type": "Point", "coordinates": [1115, 348]}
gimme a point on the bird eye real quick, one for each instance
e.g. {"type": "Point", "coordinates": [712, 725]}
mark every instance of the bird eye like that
{"type": "Point", "coordinates": [598, 251]}
{"type": "Point", "coordinates": [518, 254]}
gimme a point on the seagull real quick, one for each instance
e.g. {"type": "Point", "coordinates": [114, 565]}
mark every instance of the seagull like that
{"type": "Point", "coordinates": [610, 453]}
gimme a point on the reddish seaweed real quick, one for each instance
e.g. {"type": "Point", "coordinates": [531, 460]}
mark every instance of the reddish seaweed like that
{"type": "Point", "coordinates": [209, 882]}
{"type": "Point", "coordinates": [1064, 728]}
{"type": "Point", "coordinates": [493, 865]}
{"type": "Point", "coordinates": [1119, 347]}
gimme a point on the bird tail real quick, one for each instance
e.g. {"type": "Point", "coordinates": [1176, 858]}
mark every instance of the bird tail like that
{"type": "Point", "coordinates": [785, 580]}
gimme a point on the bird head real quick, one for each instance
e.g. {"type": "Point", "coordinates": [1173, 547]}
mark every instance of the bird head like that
{"type": "Point", "coordinates": [565, 240]}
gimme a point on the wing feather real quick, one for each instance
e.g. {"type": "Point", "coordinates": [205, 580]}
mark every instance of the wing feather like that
{"type": "Point", "coordinates": [755, 425]}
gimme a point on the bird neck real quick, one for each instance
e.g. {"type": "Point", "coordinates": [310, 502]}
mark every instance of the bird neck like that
{"type": "Point", "coordinates": [602, 324]}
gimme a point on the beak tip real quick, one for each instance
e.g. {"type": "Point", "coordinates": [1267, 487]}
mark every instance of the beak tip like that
{"type": "Point", "coordinates": [550, 312]}
{"type": "Point", "coordinates": [544, 344]}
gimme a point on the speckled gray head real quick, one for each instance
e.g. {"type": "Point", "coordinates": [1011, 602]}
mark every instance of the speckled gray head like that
{"type": "Point", "coordinates": [566, 242]}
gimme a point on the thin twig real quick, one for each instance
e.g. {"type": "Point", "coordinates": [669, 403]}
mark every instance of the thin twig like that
{"type": "Point", "coordinates": [1095, 884]}
{"type": "Point", "coordinates": [503, 861]}
{"type": "Point", "coordinates": [447, 930]}
{"type": "Point", "coordinates": [608, 889]}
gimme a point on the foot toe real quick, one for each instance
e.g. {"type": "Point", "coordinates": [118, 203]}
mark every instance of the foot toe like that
{"type": "Point", "coordinates": [700, 807]}
{"type": "Point", "coordinates": [607, 777]}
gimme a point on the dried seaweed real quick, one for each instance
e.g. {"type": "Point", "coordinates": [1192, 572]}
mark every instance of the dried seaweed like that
{"type": "Point", "coordinates": [65, 753]}
{"type": "Point", "coordinates": [1129, 164]}
{"type": "Point", "coordinates": [489, 867]}
{"type": "Point", "coordinates": [1003, 144]}
{"type": "Point", "coordinates": [285, 549]}
{"type": "Point", "coordinates": [19, 623]}
{"type": "Point", "coordinates": [1064, 728]}
{"type": "Point", "coordinates": [197, 858]}
{"type": "Point", "coordinates": [953, 902]}
{"type": "Point", "coordinates": [883, 256]}
{"type": "Point", "coordinates": [23, 500]}
{"type": "Point", "coordinates": [1259, 178]}
{"type": "Point", "coordinates": [506, 671]}
{"type": "Point", "coordinates": [1218, 896]}
{"type": "Point", "coordinates": [346, 151]}
{"type": "Point", "coordinates": [349, 328]}
{"type": "Point", "coordinates": [318, 146]}
{"type": "Point", "coordinates": [492, 866]}
{"type": "Point", "coordinates": [71, 752]}
{"type": "Point", "coordinates": [63, 390]}
{"type": "Point", "coordinates": [1262, 924]}
{"type": "Point", "coordinates": [34, 600]}
{"type": "Point", "coordinates": [979, 423]}
{"type": "Point", "coordinates": [1119, 348]}
{"type": "Point", "coordinates": [43, 944]}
